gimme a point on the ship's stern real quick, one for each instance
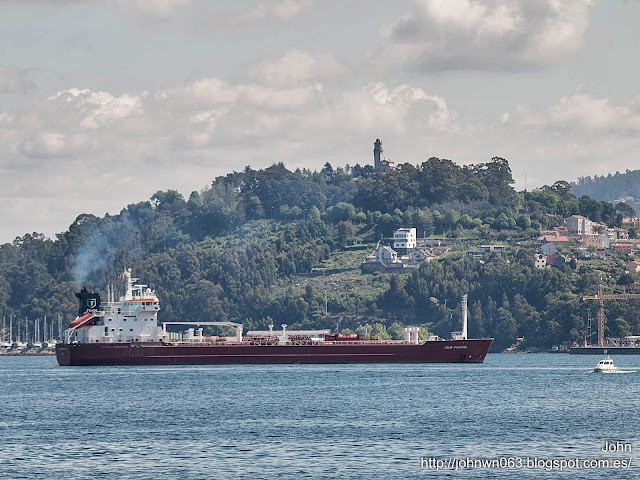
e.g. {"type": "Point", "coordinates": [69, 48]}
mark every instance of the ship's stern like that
{"type": "Point", "coordinates": [63, 354]}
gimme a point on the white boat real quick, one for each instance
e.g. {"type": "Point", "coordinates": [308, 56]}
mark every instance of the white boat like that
{"type": "Point", "coordinates": [605, 366]}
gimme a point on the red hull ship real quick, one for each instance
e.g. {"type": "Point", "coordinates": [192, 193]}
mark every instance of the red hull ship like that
{"type": "Point", "coordinates": [444, 351]}
{"type": "Point", "coordinates": [127, 333]}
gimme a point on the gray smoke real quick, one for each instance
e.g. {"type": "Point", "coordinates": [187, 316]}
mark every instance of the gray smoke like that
{"type": "Point", "coordinates": [93, 256]}
{"type": "Point", "coordinates": [108, 242]}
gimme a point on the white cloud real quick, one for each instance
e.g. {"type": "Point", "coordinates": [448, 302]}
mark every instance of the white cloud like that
{"type": "Point", "coordinates": [283, 10]}
{"type": "Point", "coordinates": [399, 110]}
{"type": "Point", "coordinates": [297, 66]}
{"type": "Point", "coordinates": [122, 147]}
{"type": "Point", "coordinates": [157, 7]}
{"type": "Point", "coordinates": [443, 35]}
{"type": "Point", "coordinates": [100, 108]}
{"type": "Point", "coordinates": [582, 111]}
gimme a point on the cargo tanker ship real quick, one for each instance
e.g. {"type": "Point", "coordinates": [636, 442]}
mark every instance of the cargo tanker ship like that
{"type": "Point", "coordinates": [126, 332]}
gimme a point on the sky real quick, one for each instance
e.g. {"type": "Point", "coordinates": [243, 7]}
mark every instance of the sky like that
{"type": "Point", "coordinates": [105, 102]}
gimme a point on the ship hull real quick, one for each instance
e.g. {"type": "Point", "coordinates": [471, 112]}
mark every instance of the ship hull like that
{"type": "Point", "coordinates": [447, 351]}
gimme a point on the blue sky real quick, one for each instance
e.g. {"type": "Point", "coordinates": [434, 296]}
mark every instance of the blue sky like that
{"type": "Point", "coordinates": [104, 102]}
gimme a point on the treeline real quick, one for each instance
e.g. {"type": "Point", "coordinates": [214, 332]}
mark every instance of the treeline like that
{"type": "Point", "coordinates": [236, 251]}
{"type": "Point", "coordinates": [508, 299]}
{"type": "Point", "coordinates": [611, 187]}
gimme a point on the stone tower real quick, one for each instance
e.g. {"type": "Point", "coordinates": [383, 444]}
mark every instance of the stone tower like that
{"type": "Point", "coordinates": [377, 154]}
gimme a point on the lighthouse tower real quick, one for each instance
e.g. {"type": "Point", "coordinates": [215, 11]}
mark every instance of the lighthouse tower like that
{"type": "Point", "coordinates": [377, 154]}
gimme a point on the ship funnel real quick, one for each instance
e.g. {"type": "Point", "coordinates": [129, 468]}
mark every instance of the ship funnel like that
{"type": "Point", "coordinates": [462, 335]}
{"type": "Point", "coordinates": [88, 300]}
{"type": "Point", "coordinates": [464, 317]}
{"type": "Point", "coordinates": [239, 333]}
{"type": "Point", "coordinates": [414, 335]}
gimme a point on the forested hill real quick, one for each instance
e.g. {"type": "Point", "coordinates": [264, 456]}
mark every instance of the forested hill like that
{"type": "Point", "coordinates": [625, 186]}
{"type": "Point", "coordinates": [278, 246]}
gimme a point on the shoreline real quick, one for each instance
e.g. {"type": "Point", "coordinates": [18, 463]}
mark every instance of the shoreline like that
{"type": "Point", "coordinates": [28, 353]}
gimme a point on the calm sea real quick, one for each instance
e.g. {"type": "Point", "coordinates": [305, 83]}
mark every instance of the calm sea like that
{"type": "Point", "coordinates": [535, 413]}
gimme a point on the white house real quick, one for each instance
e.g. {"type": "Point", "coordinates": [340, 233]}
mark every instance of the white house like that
{"type": "Point", "coordinates": [405, 240]}
{"type": "Point", "coordinates": [579, 225]}
{"type": "Point", "coordinates": [541, 261]}
{"type": "Point", "coordinates": [420, 255]}
{"type": "Point", "coordinates": [385, 254]}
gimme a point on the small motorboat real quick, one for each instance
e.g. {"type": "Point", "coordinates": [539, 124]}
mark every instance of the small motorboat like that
{"type": "Point", "coordinates": [605, 366]}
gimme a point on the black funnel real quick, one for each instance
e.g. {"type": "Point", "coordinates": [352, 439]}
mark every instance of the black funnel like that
{"type": "Point", "coordinates": [88, 300]}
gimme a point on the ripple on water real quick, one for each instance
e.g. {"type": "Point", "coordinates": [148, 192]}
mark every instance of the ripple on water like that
{"type": "Point", "coordinates": [308, 421]}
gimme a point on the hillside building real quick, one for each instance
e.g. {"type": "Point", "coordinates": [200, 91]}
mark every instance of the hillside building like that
{"type": "Point", "coordinates": [381, 164]}
{"type": "Point", "coordinates": [540, 261]}
{"type": "Point", "coordinates": [403, 257]}
{"type": "Point", "coordinates": [622, 246]}
{"type": "Point", "coordinates": [404, 240]}
{"type": "Point", "coordinates": [579, 225]}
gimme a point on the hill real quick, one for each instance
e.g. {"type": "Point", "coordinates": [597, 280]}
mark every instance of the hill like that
{"type": "Point", "coordinates": [278, 246]}
{"type": "Point", "coordinates": [619, 187]}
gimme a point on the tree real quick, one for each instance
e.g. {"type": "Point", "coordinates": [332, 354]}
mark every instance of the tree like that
{"type": "Point", "coordinates": [625, 210]}
{"type": "Point", "coordinates": [396, 331]}
{"type": "Point", "coordinates": [561, 188]}
{"type": "Point", "coordinates": [505, 329]}
{"type": "Point", "coordinates": [254, 207]}
{"type": "Point", "coordinates": [344, 233]}
{"type": "Point", "coordinates": [497, 178]}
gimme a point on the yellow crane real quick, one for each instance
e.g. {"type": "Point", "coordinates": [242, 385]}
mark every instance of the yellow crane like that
{"type": "Point", "coordinates": [601, 297]}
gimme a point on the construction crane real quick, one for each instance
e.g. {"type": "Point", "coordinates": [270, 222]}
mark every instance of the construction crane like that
{"type": "Point", "coordinates": [601, 297]}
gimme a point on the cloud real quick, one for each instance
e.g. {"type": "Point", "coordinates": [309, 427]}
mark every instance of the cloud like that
{"type": "Point", "coordinates": [91, 151]}
{"type": "Point", "coordinates": [297, 66]}
{"type": "Point", "coordinates": [400, 110]}
{"type": "Point", "coordinates": [156, 7]}
{"type": "Point", "coordinates": [494, 35]}
{"type": "Point", "coordinates": [100, 108]}
{"type": "Point", "coordinates": [582, 111]}
{"type": "Point", "coordinates": [284, 10]}
{"type": "Point", "coordinates": [274, 103]}
{"type": "Point", "coordinates": [579, 134]}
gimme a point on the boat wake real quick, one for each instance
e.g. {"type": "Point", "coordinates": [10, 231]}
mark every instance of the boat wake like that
{"type": "Point", "coordinates": [619, 371]}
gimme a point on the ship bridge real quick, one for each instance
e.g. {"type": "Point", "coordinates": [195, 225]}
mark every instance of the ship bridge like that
{"type": "Point", "coordinates": [133, 318]}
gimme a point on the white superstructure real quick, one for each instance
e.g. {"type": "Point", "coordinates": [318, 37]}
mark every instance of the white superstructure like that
{"type": "Point", "coordinates": [133, 318]}
{"type": "Point", "coordinates": [605, 366]}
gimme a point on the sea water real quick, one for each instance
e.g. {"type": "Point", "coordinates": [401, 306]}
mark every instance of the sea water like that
{"type": "Point", "coordinates": [515, 416]}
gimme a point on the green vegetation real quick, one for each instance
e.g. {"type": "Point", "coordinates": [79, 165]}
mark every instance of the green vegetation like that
{"type": "Point", "coordinates": [611, 187]}
{"type": "Point", "coordinates": [275, 246]}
